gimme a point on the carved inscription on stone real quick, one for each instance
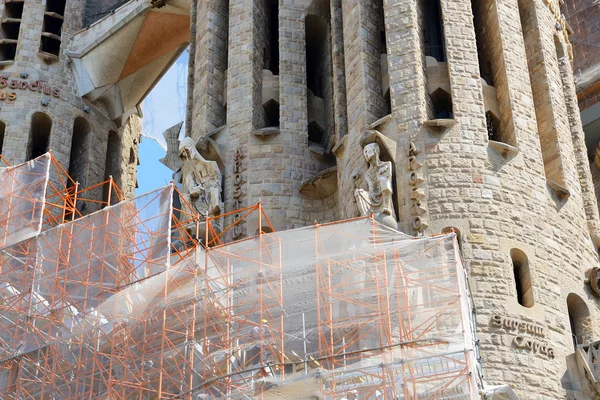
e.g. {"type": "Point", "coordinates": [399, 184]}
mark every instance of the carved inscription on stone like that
{"type": "Point", "coordinates": [415, 180]}
{"type": "Point", "coordinates": [522, 328]}
{"type": "Point", "coordinates": [238, 195]}
{"type": "Point", "coordinates": [512, 324]}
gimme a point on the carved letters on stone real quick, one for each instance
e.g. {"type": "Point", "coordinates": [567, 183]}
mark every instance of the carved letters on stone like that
{"type": "Point", "coordinates": [521, 341]}
{"type": "Point", "coordinates": [238, 229]}
{"type": "Point", "coordinates": [415, 179]}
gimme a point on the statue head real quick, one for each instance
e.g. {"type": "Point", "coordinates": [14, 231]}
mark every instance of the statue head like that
{"type": "Point", "coordinates": [371, 152]}
{"type": "Point", "coordinates": [187, 148]}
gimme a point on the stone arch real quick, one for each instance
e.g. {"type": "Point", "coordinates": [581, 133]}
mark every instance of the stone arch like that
{"type": "Point", "coordinates": [81, 143]}
{"type": "Point", "coordinates": [579, 320]}
{"type": "Point", "coordinates": [39, 135]}
{"type": "Point", "coordinates": [522, 275]}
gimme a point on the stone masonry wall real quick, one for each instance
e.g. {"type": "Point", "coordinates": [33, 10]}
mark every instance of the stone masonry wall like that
{"type": "Point", "coordinates": [497, 200]}
{"type": "Point", "coordinates": [63, 110]}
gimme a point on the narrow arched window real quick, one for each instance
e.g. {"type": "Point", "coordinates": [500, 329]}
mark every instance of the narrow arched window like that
{"type": "Point", "coordinates": [522, 276]}
{"type": "Point", "coordinates": [579, 319]}
{"type": "Point", "coordinates": [438, 78]}
{"type": "Point", "coordinates": [113, 161]}
{"type": "Point", "coordinates": [2, 130]}
{"type": "Point", "coordinates": [80, 150]}
{"type": "Point", "coordinates": [131, 156]}
{"type": "Point", "coordinates": [39, 135]}
{"type": "Point", "coordinates": [545, 109]}
{"type": "Point", "coordinates": [492, 73]}
{"type": "Point", "coordinates": [319, 82]}
{"type": "Point", "coordinates": [435, 42]}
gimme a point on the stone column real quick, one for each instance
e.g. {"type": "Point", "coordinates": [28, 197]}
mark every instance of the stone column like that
{"type": "Point", "coordinates": [365, 102]}
{"type": "Point", "coordinates": [210, 66]}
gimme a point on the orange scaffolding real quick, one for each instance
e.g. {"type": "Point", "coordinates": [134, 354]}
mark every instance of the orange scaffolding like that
{"type": "Point", "coordinates": [126, 303]}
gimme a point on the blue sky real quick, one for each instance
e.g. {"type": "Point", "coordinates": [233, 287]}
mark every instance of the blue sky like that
{"type": "Point", "coordinates": [163, 108]}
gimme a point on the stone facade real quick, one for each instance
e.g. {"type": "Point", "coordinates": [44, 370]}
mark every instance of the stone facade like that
{"type": "Point", "coordinates": [77, 126]}
{"type": "Point", "coordinates": [521, 202]}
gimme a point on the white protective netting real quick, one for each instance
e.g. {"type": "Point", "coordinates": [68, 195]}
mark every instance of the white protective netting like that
{"type": "Point", "coordinates": [22, 199]}
{"type": "Point", "coordinates": [108, 306]}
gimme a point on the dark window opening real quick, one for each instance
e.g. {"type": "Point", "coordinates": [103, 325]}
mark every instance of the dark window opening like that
{"type": "Point", "coordinates": [51, 30]}
{"type": "Point", "coordinates": [50, 45]}
{"type": "Point", "coordinates": [442, 104]}
{"type": "Point", "coordinates": [271, 108]}
{"type": "Point", "coordinates": [315, 133]}
{"type": "Point", "coordinates": [493, 126]}
{"type": "Point", "coordinates": [80, 149]}
{"type": "Point", "coordinates": [113, 161]}
{"type": "Point", "coordinates": [522, 277]}
{"type": "Point", "coordinates": [434, 30]}
{"type": "Point", "coordinates": [316, 36]}
{"type": "Point", "coordinates": [8, 51]}
{"type": "Point", "coordinates": [388, 102]}
{"type": "Point", "coordinates": [10, 27]}
{"type": "Point", "coordinates": [579, 320]}
{"type": "Point", "coordinates": [485, 66]}
{"type": "Point", "coordinates": [385, 79]}
{"type": "Point", "coordinates": [131, 156]}
{"type": "Point", "coordinates": [39, 135]}
{"type": "Point", "coordinates": [319, 78]}
{"type": "Point", "coordinates": [272, 50]}
{"type": "Point", "coordinates": [52, 25]}
{"type": "Point", "coordinates": [14, 9]}
{"type": "Point", "coordinates": [56, 6]}
{"type": "Point", "coordinates": [2, 130]}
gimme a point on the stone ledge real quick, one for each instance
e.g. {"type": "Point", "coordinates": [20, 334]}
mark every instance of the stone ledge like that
{"type": "Point", "coordinates": [504, 149]}
{"type": "Point", "coordinates": [561, 191]}
{"type": "Point", "coordinates": [266, 133]}
{"type": "Point", "coordinates": [338, 149]}
{"type": "Point", "coordinates": [439, 126]}
{"type": "Point", "coordinates": [48, 57]}
{"type": "Point", "coordinates": [380, 122]}
{"type": "Point", "coordinates": [216, 131]}
{"type": "Point", "coordinates": [319, 152]}
{"type": "Point", "coordinates": [321, 186]}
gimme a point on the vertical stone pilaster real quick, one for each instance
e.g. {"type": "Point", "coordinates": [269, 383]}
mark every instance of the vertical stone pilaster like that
{"type": "Point", "coordinates": [240, 96]}
{"type": "Point", "coordinates": [408, 91]}
{"type": "Point", "coordinates": [210, 65]}
{"type": "Point", "coordinates": [364, 98]}
{"type": "Point", "coordinates": [339, 77]}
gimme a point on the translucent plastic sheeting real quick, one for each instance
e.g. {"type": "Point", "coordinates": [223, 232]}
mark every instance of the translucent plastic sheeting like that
{"type": "Point", "coordinates": [52, 284]}
{"type": "Point", "coordinates": [333, 310]}
{"type": "Point", "coordinates": [22, 199]}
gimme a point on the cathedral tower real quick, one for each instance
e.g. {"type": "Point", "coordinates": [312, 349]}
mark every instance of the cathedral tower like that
{"type": "Point", "coordinates": [473, 104]}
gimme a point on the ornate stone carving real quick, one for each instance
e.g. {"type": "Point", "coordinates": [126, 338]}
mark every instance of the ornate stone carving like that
{"type": "Point", "coordinates": [200, 179]}
{"type": "Point", "coordinates": [377, 199]}
{"type": "Point", "coordinates": [592, 278]}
